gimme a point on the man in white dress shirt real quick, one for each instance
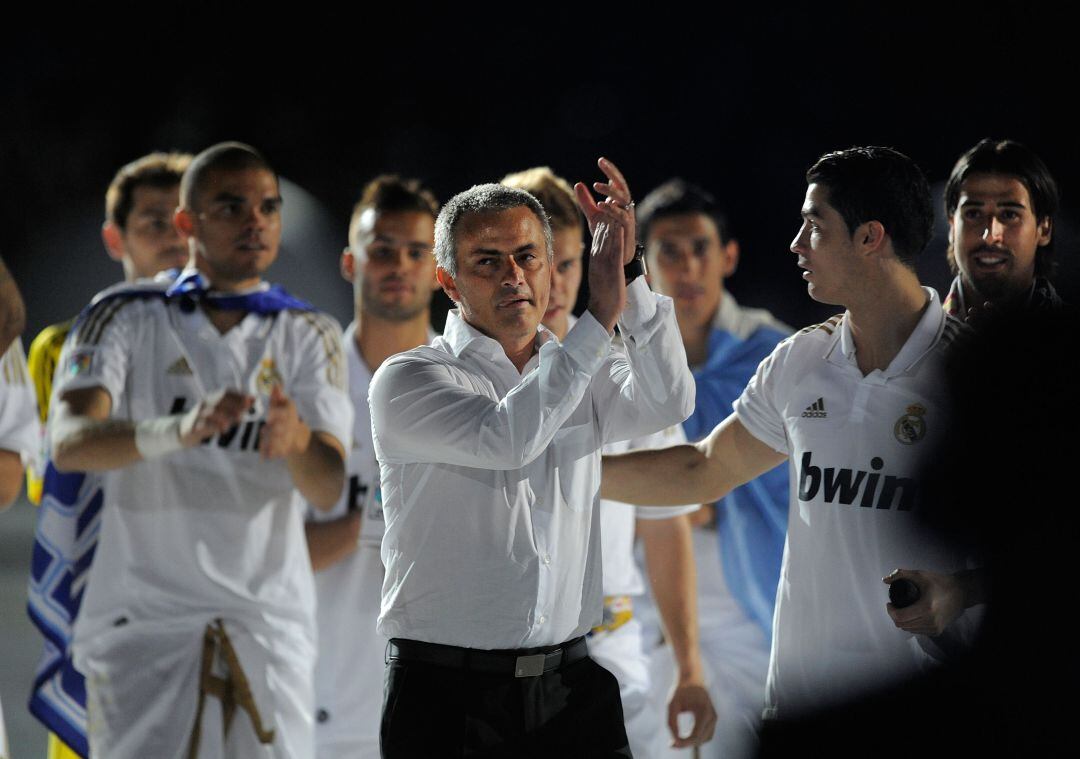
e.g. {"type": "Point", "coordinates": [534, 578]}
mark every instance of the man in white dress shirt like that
{"type": "Point", "coordinates": [853, 404]}
{"type": "Point", "coordinates": [489, 447]}
{"type": "Point", "coordinates": [665, 533]}
{"type": "Point", "coordinates": [390, 264]}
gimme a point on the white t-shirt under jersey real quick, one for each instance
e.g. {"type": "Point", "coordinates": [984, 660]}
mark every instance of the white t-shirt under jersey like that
{"type": "Point", "coordinates": [855, 446]}
{"type": "Point", "coordinates": [215, 530]}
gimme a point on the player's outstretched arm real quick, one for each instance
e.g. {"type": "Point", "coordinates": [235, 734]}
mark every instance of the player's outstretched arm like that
{"type": "Point", "coordinates": [85, 439]}
{"type": "Point", "coordinates": [700, 473]}
{"type": "Point", "coordinates": [669, 558]}
{"type": "Point", "coordinates": [316, 459]}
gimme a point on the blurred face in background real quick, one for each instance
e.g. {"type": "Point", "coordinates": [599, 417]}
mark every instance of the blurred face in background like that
{"type": "Point", "coordinates": [689, 263]}
{"type": "Point", "coordinates": [565, 279]}
{"type": "Point", "coordinates": [149, 241]}
{"type": "Point", "coordinates": [390, 263]}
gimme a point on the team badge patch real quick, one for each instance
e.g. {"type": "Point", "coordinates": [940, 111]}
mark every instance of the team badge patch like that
{"type": "Point", "coordinates": [81, 363]}
{"type": "Point", "coordinates": [911, 427]}
{"type": "Point", "coordinates": [268, 376]}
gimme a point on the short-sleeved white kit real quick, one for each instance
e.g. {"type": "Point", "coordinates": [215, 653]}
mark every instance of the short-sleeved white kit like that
{"type": "Point", "coordinates": [209, 532]}
{"type": "Point", "coordinates": [855, 445]}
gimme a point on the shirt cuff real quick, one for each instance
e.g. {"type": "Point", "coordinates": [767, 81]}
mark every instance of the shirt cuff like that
{"type": "Point", "coordinates": [587, 343]}
{"type": "Point", "coordinates": [664, 512]}
{"type": "Point", "coordinates": [640, 306]}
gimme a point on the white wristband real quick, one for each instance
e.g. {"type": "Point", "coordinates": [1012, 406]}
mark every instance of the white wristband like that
{"type": "Point", "coordinates": [159, 436]}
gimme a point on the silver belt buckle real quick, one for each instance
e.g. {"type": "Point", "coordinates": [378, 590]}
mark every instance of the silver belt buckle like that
{"type": "Point", "coordinates": [529, 666]}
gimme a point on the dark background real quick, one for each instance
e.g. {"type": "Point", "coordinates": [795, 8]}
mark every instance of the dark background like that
{"type": "Point", "coordinates": [741, 102]}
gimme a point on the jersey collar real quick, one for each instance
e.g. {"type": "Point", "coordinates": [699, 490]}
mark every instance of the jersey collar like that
{"type": "Point", "coordinates": [920, 342]}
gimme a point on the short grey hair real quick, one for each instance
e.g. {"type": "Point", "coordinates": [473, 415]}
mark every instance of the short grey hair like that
{"type": "Point", "coordinates": [482, 198]}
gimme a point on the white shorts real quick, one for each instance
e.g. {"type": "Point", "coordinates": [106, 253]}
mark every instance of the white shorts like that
{"type": "Point", "coordinates": [142, 692]}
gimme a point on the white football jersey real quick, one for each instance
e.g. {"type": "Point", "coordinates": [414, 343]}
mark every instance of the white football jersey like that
{"type": "Point", "coordinates": [215, 530]}
{"type": "Point", "coordinates": [855, 446]}
{"type": "Point", "coordinates": [20, 430]}
{"type": "Point", "coordinates": [351, 659]}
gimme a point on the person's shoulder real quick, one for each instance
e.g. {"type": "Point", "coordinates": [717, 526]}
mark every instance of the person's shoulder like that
{"type": "Point", "coordinates": [415, 363]}
{"type": "Point", "coordinates": [810, 339]}
{"type": "Point", "coordinates": [954, 332]}
{"type": "Point", "coordinates": [126, 300]}
{"type": "Point", "coordinates": [799, 351]}
{"type": "Point", "coordinates": [317, 321]}
{"type": "Point", "coordinates": [760, 322]}
{"type": "Point", "coordinates": [421, 355]}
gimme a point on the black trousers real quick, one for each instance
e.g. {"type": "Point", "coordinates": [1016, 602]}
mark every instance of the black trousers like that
{"type": "Point", "coordinates": [432, 711]}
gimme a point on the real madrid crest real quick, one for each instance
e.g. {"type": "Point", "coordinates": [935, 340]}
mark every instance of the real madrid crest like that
{"type": "Point", "coordinates": [268, 376]}
{"type": "Point", "coordinates": [911, 427]}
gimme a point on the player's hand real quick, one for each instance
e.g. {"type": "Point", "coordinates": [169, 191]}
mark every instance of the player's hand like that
{"type": "Point", "coordinates": [618, 196]}
{"type": "Point", "coordinates": [694, 699]}
{"type": "Point", "coordinates": [284, 433]}
{"type": "Point", "coordinates": [214, 414]}
{"type": "Point", "coordinates": [941, 600]}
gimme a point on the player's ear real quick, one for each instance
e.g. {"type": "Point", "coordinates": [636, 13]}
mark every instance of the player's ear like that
{"type": "Point", "coordinates": [114, 240]}
{"type": "Point", "coordinates": [348, 264]}
{"type": "Point", "coordinates": [435, 284]}
{"type": "Point", "coordinates": [731, 257]}
{"type": "Point", "coordinates": [184, 221]}
{"type": "Point", "coordinates": [448, 285]}
{"type": "Point", "coordinates": [871, 235]}
{"type": "Point", "coordinates": [1046, 231]}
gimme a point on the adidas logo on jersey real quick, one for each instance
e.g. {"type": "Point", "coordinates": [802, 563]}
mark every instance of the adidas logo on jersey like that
{"type": "Point", "coordinates": [815, 410]}
{"type": "Point", "coordinates": [180, 366]}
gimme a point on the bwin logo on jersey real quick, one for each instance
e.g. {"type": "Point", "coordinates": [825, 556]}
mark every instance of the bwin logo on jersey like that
{"type": "Point", "coordinates": [243, 436]}
{"type": "Point", "coordinates": [846, 486]}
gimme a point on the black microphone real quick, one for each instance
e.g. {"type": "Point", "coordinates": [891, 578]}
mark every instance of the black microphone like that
{"type": "Point", "coordinates": [903, 593]}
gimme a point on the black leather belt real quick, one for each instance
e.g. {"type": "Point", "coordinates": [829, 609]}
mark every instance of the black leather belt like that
{"type": "Point", "coordinates": [528, 662]}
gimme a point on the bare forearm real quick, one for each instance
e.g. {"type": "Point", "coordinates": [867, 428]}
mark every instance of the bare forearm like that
{"type": "Point", "coordinates": [95, 446]}
{"type": "Point", "coordinates": [663, 477]}
{"type": "Point", "coordinates": [318, 471]}
{"type": "Point", "coordinates": [11, 475]}
{"type": "Point", "coordinates": [669, 558]}
{"type": "Point", "coordinates": [331, 541]}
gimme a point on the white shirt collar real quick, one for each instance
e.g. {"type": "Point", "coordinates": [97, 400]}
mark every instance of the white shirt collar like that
{"type": "Point", "coordinates": [461, 336]}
